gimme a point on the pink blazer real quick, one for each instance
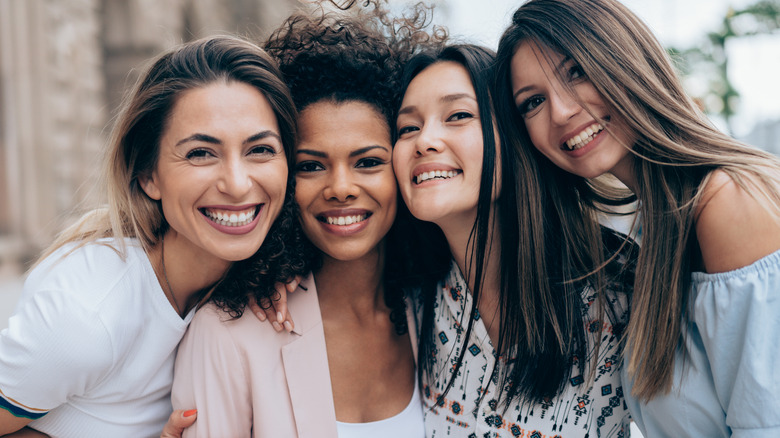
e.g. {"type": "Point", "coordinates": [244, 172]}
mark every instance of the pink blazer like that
{"type": "Point", "coordinates": [247, 380]}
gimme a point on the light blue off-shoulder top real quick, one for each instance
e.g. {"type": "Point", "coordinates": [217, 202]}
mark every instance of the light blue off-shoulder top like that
{"type": "Point", "coordinates": [729, 384]}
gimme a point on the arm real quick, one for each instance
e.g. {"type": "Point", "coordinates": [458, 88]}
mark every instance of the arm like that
{"type": "Point", "coordinates": [210, 376]}
{"type": "Point", "coordinates": [28, 433]}
{"type": "Point", "coordinates": [51, 350]}
{"type": "Point", "coordinates": [10, 423]}
{"type": "Point", "coordinates": [738, 311]}
{"type": "Point", "coordinates": [732, 227]}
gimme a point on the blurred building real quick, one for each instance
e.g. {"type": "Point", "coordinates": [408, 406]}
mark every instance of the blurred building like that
{"type": "Point", "coordinates": [765, 135]}
{"type": "Point", "coordinates": [64, 66]}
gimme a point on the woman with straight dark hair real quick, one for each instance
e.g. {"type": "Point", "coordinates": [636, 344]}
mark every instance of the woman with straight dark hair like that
{"type": "Point", "coordinates": [490, 260]}
{"type": "Point", "coordinates": [584, 89]}
{"type": "Point", "coordinates": [198, 190]}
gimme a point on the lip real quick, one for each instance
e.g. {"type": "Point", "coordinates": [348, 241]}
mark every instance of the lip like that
{"type": "Point", "coordinates": [592, 144]}
{"type": "Point", "coordinates": [243, 229]}
{"type": "Point", "coordinates": [344, 230]}
{"type": "Point", "coordinates": [571, 134]}
{"type": "Point", "coordinates": [429, 167]}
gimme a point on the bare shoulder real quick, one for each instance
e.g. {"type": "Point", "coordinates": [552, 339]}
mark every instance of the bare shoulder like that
{"type": "Point", "coordinates": [733, 228]}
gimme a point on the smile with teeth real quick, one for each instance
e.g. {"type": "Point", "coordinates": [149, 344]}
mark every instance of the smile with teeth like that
{"type": "Point", "coordinates": [231, 218]}
{"type": "Point", "coordinates": [344, 220]}
{"type": "Point", "coordinates": [583, 137]}
{"type": "Point", "coordinates": [435, 174]}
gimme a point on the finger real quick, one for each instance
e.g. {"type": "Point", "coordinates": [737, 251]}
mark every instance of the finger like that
{"type": "Point", "coordinates": [177, 422]}
{"type": "Point", "coordinates": [293, 284]}
{"type": "Point", "coordinates": [256, 309]}
{"type": "Point", "coordinates": [267, 307]}
{"type": "Point", "coordinates": [289, 324]}
{"type": "Point", "coordinates": [280, 302]}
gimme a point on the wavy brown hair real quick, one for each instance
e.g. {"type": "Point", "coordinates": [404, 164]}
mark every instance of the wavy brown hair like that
{"type": "Point", "coordinates": [676, 151]}
{"type": "Point", "coordinates": [134, 148]}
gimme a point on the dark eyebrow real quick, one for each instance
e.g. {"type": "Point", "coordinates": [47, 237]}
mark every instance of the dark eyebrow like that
{"type": "Point", "coordinates": [199, 137]}
{"type": "Point", "coordinates": [456, 96]}
{"type": "Point", "coordinates": [213, 140]}
{"type": "Point", "coordinates": [406, 110]}
{"type": "Point", "coordinates": [521, 91]}
{"type": "Point", "coordinates": [447, 98]}
{"type": "Point", "coordinates": [558, 69]}
{"type": "Point", "coordinates": [565, 60]}
{"type": "Point", "coordinates": [354, 153]}
{"type": "Point", "coordinates": [362, 151]}
{"type": "Point", "coordinates": [262, 135]}
{"type": "Point", "coordinates": [312, 152]}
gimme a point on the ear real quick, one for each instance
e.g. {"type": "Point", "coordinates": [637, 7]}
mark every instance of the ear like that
{"type": "Point", "coordinates": [149, 185]}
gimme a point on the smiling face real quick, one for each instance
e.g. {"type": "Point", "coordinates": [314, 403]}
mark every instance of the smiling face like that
{"type": "Point", "coordinates": [558, 125]}
{"type": "Point", "coordinates": [345, 185]}
{"type": "Point", "coordinates": [221, 174]}
{"type": "Point", "coordinates": [438, 155]}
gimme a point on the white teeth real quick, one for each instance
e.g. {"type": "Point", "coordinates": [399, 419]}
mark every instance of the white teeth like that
{"type": "Point", "coordinates": [231, 219]}
{"type": "Point", "coordinates": [346, 220]}
{"type": "Point", "coordinates": [584, 137]}
{"type": "Point", "coordinates": [441, 174]}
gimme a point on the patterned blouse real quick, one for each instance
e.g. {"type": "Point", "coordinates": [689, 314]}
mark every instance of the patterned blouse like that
{"type": "Point", "coordinates": [586, 408]}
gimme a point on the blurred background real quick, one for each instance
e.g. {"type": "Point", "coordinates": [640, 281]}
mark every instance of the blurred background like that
{"type": "Point", "coordinates": [65, 65]}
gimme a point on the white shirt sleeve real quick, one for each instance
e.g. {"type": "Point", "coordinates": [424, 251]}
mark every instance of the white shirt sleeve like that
{"type": "Point", "coordinates": [53, 349]}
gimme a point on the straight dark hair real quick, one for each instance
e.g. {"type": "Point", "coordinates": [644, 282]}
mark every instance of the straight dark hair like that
{"type": "Point", "coordinates": [542, 326]}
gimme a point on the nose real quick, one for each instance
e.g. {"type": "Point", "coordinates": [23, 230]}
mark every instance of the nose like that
{"type": "Point", "coordinates": [429, 140]}
{"type": "Point", "coordinates": [564, 106]}
{"type": "Point", "coordinates": [234, 179]}
{"type": "Point", "coordinates": [341, 186]}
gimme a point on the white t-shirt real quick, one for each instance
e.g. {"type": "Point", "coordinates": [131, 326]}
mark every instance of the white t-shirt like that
{"type": "Point", "coordinates": [91, 345]}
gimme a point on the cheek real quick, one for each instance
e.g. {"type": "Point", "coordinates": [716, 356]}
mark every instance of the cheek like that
{"type": "Point", "coordinates": [538, 135]}
{"type": "Point", "coordinates": [274, 181]}
{"type": "Point", "coordinates": [304, 191]}
{"type": "Point", "coordinates": [400, 169]}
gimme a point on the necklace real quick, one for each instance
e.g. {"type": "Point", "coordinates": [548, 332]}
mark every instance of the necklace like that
{"type": "Point", "coordinates": [165, 275]}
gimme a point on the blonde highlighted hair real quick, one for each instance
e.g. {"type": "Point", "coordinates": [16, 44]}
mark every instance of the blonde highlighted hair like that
{"type": "Point", "coordinates": [135, 141]}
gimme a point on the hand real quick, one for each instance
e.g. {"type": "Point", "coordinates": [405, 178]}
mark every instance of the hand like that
{"type": "Point", "coordinates": [177, 422]}
{"type": "Point", "coordinates": [275, 310]}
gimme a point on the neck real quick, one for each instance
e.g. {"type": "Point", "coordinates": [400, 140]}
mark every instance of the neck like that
{"type": "Point", "coordinates": [353, 287]}
{"type": "Point", "coordinates": [457, 234]}
{"type": "Point", "coordinates": [624, 171]}
{"type": "Point", "coordinates": [184, 273]}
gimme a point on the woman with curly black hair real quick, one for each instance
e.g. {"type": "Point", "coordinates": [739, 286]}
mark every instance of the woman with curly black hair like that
{"type": "Point", "coordinates": [347, 368]}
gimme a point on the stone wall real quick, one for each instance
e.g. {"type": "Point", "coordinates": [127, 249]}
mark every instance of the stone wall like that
{"type": "Point", "coordinates": [64, 67]}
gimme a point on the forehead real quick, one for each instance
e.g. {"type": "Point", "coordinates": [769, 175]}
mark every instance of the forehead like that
{"type": "Point", "coordinates": [529, 54]}
{"type": "Point", "coordinates": [327, 124]}
{"type": "Point", "coordinates": [441, 78]}
{"type": "Point", "coordinates": [220, 101]}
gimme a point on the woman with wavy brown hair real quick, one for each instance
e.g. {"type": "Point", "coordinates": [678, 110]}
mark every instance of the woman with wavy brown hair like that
{"type": "Point", "coordinates": [197, 186]}
{"type": "Point", "coordinates": [584, 89]}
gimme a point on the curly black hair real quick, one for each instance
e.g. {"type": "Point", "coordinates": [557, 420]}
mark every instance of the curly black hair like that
{"type": "Point", "coordinates": [283, 255]}
{"type": "Point", "coordinates": [357, 56]}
